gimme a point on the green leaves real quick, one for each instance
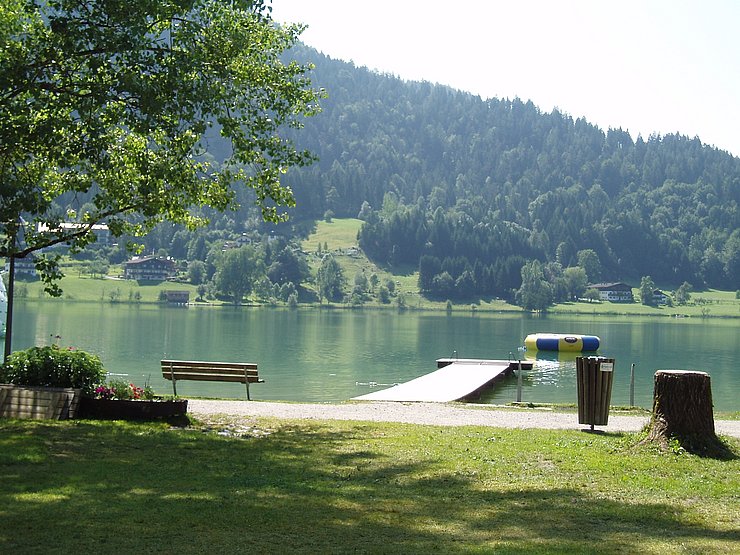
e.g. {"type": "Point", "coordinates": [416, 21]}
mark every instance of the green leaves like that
{"type": "Point", "coordinates": [329, 279]}
{"type": "Point", "coordinates": [53, 367]}
{"type": "Point", "coordinates": [237, 270]}
{"type": "Point", "coordinates": [111, 101]}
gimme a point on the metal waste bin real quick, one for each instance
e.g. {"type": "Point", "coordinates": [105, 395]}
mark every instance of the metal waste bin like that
{"type": "Point", "coordinates": [594, 376]}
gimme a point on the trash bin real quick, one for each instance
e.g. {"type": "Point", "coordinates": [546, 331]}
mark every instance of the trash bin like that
{"type": "Point", "coordinates": [594, 376]}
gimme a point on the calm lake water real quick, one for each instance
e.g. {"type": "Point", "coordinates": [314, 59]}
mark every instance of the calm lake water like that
{"type": "Point", "coordinates": [332, 355]}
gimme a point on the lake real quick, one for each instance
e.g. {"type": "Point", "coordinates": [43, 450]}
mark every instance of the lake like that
{"type": "Point", "coordinates": [321, 355]}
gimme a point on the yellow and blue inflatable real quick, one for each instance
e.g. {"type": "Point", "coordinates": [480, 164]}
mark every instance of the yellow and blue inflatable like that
{"type": "Point", "coordinates": [561, 342]}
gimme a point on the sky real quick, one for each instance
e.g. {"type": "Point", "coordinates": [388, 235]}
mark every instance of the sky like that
{"type": "Point", "coordinates": [646, 66]}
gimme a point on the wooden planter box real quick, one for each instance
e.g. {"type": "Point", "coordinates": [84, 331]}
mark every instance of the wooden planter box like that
{"type": "Point", "coordinates": [52, 403]}
{"type": "Point", "coordinates": [116, 409]}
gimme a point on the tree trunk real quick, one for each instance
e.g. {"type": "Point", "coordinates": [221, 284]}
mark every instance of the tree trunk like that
{"type": "Point", "coordinates": [9, 309]}
{"type": "Point", "coordinates": [682, 412]}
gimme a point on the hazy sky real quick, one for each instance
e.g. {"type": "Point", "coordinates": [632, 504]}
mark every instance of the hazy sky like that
{"type": "Point", "coordinates": [647, 66]}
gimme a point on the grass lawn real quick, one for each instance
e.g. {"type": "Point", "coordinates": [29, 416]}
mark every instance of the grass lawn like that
{"type": "Point", "coordinates": [344, 487]}
{"type": "Point", "coordinates": [87, 289]}
{"type": "Point", "coordinates": [337, 234]}
{"type": "Point", "coordinates": [709, 303]}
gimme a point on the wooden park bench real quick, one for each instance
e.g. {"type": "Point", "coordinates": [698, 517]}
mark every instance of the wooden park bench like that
{"type": "Point", "coordinates": [240, 372]}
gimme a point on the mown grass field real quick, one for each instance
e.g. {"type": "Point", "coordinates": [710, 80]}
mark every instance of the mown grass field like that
{"type": "Point", "coordinates": [708, 303]}
{"type": "Point", "coordinates": [276, 486]}
{"type": "Point", "coordinates": [88, 289]}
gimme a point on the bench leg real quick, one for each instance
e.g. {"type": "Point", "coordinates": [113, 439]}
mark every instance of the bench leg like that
{"type": "Point", "coordinates": [172, 377]}
{"type": "Point", "coordinates": [248, 398]}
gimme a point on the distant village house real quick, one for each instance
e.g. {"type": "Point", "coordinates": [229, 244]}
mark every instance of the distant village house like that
{"type": "Point", "coordinates": [149, 268]}
{"type": "Point", "coordinates": [659, 297]}
{"type": "Point", "coordinates": [101, 231]}
{"type": "Point", "coordinates": [23, 267]}
{"type": "Point", "coordinates": [177, 297]}
{"type": "Point", "coordinates": [615, 292]}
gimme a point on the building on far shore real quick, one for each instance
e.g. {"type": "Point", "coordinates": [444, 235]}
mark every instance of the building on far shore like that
{"type": "Point", "coordinates": [659, 297]}
{"type": "Point", "coordinates": [615, 292]}
{"type": "Point", "coordinates": [149, 268]}
{"type": "Point", "coordinates": [101, 231]}
{"type": "Point", "coordinates": [177, 297]}
{"type": "Point", "coordinates": [24, 267]}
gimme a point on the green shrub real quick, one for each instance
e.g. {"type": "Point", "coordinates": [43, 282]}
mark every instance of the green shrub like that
{"type": "Point", "coordinates": [53, 367]}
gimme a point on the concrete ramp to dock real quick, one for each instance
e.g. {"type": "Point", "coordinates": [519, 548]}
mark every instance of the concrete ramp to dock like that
{"type": "Point", "coordinates": [455, 380]}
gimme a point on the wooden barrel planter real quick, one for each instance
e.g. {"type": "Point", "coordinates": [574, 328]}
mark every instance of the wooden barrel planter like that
{"type": "Point", "coordinates": [116, 409]}
{"type": "Point", "coordinates": [51, 403]}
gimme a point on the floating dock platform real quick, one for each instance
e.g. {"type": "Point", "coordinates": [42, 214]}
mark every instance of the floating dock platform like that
{"type": "Point", "coordinates": [454, 380]}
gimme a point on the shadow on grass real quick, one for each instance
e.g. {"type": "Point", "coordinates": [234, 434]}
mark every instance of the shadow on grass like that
{"type": "Point", "coordinates": [115, 487]}
{"type": "Point", "coordinates": [602, 433]}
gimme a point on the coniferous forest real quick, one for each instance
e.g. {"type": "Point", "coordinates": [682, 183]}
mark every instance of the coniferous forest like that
{"type": "Point", "coordinates": [476, 193]}
{"type": "Point", "coordinates": [451, 183]}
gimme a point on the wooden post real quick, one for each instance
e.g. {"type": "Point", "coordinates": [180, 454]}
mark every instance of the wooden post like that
{"type": "Point", "coordinates": [682, 412]}
{"type": "Point", "coordinates": [519, 383]}
{"type": "Point", "coordinates": [172, 375]}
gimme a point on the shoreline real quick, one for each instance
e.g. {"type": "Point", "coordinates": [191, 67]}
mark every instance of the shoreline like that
{"type": "Point", "coordinates": [457, 309]}
{"type": "Point", "coordinates": [429, 414]}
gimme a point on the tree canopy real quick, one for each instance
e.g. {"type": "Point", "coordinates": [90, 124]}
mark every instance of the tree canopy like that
{"type": "Point", "coordinates": [513, 182]}
{"type": "Point", "coordinates": [112, 106]}
{"type": "Point", "coordinates": [329, 279]}
{"type": "Point", "coordinates": [237, 271]}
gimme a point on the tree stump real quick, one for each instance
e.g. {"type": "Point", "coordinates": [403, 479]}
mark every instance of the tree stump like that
{"type": "Point", "coordinates": [682, 412]}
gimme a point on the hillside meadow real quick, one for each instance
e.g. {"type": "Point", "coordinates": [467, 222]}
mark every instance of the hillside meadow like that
{"type": "Point", "coordinates": [339, 237]}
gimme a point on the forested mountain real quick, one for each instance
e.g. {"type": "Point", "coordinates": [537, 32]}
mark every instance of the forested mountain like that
{"type": "Point", "coordinates": [481, 186]}
{"type": "Point", "coordinates": [468, 191]}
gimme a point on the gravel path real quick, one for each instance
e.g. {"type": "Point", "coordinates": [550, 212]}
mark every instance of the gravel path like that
{"type": "Point", "coordinates": [438, 414]}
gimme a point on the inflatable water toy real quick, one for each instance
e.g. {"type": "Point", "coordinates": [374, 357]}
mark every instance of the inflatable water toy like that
{"type": "Point", "coordinates": [561, 342]}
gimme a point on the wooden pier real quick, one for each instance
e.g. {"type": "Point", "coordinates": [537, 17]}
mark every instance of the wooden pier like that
{"type": "Point", "coordinates": [454, 380]}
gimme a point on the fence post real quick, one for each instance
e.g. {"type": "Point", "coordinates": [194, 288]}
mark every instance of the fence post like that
{"type": "Point", "coordinates": [519, 383]}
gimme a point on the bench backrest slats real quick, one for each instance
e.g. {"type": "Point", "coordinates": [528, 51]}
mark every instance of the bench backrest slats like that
{"type": "Point", "coordinates": [209, 370]}
{"type": "Point", "coordinates": [210, 377]}
{"type": "Point", "coordinates": [193, 370]}
{"type": "Point", "coordinates": [183, 364]}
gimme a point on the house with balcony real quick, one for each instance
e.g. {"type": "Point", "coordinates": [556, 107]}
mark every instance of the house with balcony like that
{"type": "Point", "coordinates": [660, 298]}
{"type": "Point", "coordinates": [149, 268]}
{"type": "Point", "coordinates": [24, 267]}
{"type": "Point", "coordinates": [617, 292]}
{"type": "Point", "coordinates": [101, 231]}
